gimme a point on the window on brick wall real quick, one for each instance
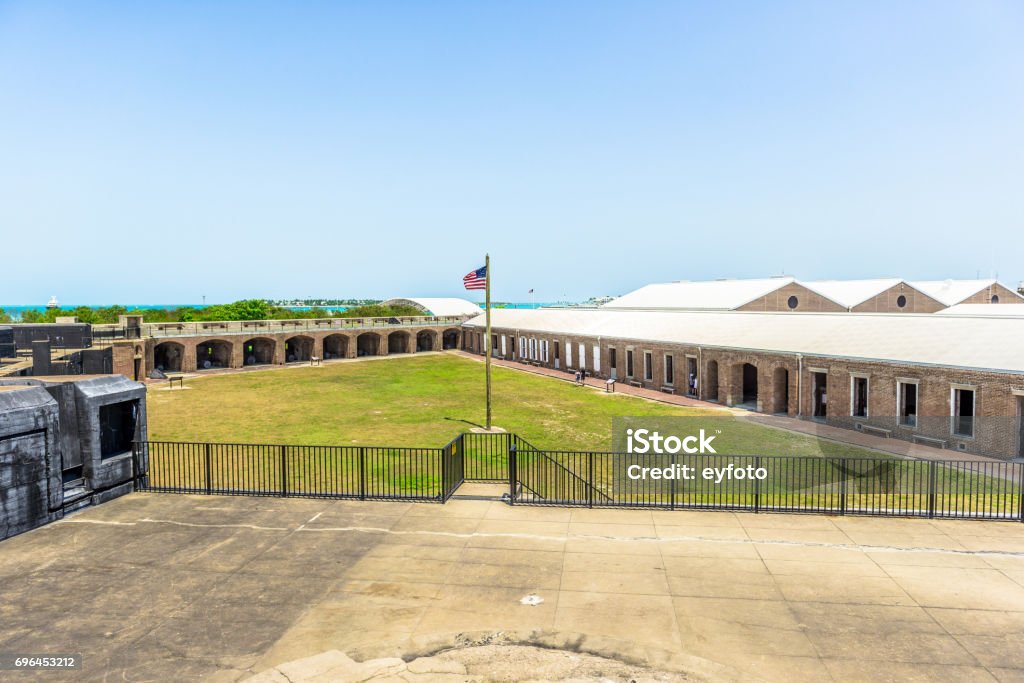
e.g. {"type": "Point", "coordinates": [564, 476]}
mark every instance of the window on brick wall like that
{"type": "Point", "coordinates": [629, 363]}
{"type": "Point", "coordinates": [648, 366]}
{"type": "Point", "coordinates": [670, 375]}
{"type": "Point", "coordinates": [906, 403]}
{"type": "Point", "coordinates": [859, 396]}
{"type": "Point", "coordinates": [962, 404]}
{"type": "Point", "coordinates": [611, 359]}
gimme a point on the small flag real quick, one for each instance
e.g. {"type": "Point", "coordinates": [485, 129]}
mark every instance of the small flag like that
{"type": "Point", "coordinates": [476, 279]}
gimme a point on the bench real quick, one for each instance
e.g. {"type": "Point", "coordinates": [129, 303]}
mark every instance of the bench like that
{"type": "Point", "coordinates": [314, 360]}
{"type": "Point", "coordinates": [636, 383]}
{"type": "Point", "coordinates": [180, 379]}
{"type": "Point", "coordinates": [928, 440]}
{"type": "Point", "coordinates": [668, 390]}
{"type": "Point", "coordinates": [871, 429]}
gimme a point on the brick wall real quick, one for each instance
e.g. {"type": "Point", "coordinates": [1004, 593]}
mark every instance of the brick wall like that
{"type": "Point", "coordinates": [785, 382]}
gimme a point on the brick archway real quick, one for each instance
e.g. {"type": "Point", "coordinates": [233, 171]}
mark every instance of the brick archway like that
{"type": "Point", "coordinates": [450, 339]}
{"type": "Point", "coordinates": [258, 351]}
{"type": "Point", "coordinates": [368, 344]}
{"type": "Point", "coordinates": [398, 342]}
{"type": "Point", "coordinates": [213, 353]}
{"type": "Point", "coordinates": [426, 340]}
{"type": "Point", "coordinates": [168, 356]}
{"type": "Point", "coordinates": [298, 348]}
{"type": "Point", "coordinates": [336, 346]}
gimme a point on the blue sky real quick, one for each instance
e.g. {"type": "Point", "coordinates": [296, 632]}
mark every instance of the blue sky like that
{"type": "Point", "coordinates": [159, 152]}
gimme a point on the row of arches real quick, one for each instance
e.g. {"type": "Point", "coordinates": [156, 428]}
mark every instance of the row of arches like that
{"type": "Point", "coordinates": [763, 385]}
{"type": "Point", "coordinates": [173, 356]}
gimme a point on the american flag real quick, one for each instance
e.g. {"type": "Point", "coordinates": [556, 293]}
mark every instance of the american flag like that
{"type": "Point", "coordinates": [477, 279]}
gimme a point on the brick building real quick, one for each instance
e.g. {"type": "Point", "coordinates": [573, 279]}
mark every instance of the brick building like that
{"type": "Point", "coordinates": [787, 294]}
{"type": "Point", "coordinates": [944, 380]}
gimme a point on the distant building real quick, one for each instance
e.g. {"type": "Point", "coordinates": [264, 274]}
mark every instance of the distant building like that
{"type": "Point", "coordinates": [882, 295]}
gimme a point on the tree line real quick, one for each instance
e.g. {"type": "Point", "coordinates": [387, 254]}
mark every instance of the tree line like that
{"type": "Point", "coordinates": [247, 309]}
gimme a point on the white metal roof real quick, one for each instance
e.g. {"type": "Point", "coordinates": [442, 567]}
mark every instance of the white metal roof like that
{"type": "Point", "coordinates": [850, 293]}
{"type": "Point", "coordinates": [951, 292]}
{"type": "Point", "coordinates": [990, 343]}
{"type": "Point", "coordinates": [721, 295]}
{"type": "Point", "coordinates": [440, 306]}
{"type": "Point", "coordinates": [997, 310]}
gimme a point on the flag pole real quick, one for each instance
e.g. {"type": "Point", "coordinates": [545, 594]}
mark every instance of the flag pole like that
{"type": "Point", "coordinates": [487, 341]}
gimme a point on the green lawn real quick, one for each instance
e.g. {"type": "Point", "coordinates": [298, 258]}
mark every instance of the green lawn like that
{"type": "Point", "coordinates": [424, 401]}
{"type": "Point", "coordinates": [420, 401]}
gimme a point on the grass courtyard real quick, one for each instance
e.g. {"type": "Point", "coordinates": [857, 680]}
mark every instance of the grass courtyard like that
{"type": "Point", "coordinates": [420, 401]}
{"type": "Point", "coordinates": [423, 401]}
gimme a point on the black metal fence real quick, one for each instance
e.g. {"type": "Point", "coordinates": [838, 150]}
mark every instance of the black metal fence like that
{"type": "Point", "coordinates": [854, 486]}
{"type": "Point", "coordinates": [362, 472]}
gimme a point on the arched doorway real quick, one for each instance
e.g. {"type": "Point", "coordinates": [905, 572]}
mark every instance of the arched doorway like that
{"type": "Point", "coordinates": [167, 356]}
{"type": "Point", "coordinates": [711, 382]}
{"type": "Point", "coordinates": [335, 346]}
{"type": "Point", "coordinates": [780, 391]}
{"type": "Point", "coordinates": [367, 344]}
{"type": "Point", "coordinates": [297, 349]}
{"type": "Point", "coordinates": [398, 342]}
{"type": "Point", "coordinates": [425, 340]}
{"type": "Point", "coordinates": [215, 353]}
{"type": "Point", "coordinates": [258, 351]}
{"type": "Point", "coordinates": [450, 339]}
{"type": "Point", "coordinates": [749, 393]}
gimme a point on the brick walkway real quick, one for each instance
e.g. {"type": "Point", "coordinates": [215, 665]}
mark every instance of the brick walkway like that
{"type": "Point", "coordinates": [898, 447]}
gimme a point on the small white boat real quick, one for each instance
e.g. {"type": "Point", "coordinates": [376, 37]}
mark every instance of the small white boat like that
{"type": "Point", "coordinates": [52, 303]}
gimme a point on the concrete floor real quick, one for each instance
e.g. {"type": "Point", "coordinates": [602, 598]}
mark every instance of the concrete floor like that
{"type": "Point", "coordinates": [172, 587]}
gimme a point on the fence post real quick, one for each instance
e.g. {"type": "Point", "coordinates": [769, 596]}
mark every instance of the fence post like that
{"type": "Point", "coordinates": [444, 472]}
{"type": "Point", "coordinates": [135, 465]}
{"type": "Point", "coordinates": [590, 479]}
{"type": "Point", "coordinates": [208, 469]}
{"type": "Point", "coordinates": [1020, 491]}
{"type": "Point", "coordinates": [512, 466]}
{"type": "Point", "coordinates": [931, 490]}
{"type": "Point", "coordinates": [672, 494]}
{"type": "Point", "coordinates": [842, 486]}
{"type": "Point", "coordinates": [362, 473]}
{"type": "Point", "coordinates": [757, 484]}
{"type": "Point", "coordinates": [284, 471]}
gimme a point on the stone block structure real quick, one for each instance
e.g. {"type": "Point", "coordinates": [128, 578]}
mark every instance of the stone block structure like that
{"type": "Point", "coordinates": [65, 443]}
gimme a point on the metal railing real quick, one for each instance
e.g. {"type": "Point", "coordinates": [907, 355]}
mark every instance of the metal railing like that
{"type": "Point", "coordinates": [257, 327]}
{"type": "Point", "coordinates": [853, 486]}
{"type": "Point", "coordinates": [361, 472]}
{"type": "Point", "coordinates": [845, 486]}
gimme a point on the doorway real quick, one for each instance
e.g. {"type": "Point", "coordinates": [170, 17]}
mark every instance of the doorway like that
{"type": "Point", "coordinates": [1020, 426]}
{"type": "Point", "coordinates": [819, 395]}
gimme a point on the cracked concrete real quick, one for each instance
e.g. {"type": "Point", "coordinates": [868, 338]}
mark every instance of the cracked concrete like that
{"type": "Point", "coordinates": [160, 587]}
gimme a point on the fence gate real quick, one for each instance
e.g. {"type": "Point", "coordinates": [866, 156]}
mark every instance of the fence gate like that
{"type": "Point", "coordinates": [485, 456]}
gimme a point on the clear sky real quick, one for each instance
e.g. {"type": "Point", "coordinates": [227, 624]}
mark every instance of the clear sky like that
{"type": "Point", "coordinates": [159, 152]}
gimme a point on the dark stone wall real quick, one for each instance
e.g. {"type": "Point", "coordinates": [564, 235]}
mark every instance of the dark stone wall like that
{"type": "Point", "coordinates": [48, 427]}
{"type": "Point", "coordinates": [30, 484]}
